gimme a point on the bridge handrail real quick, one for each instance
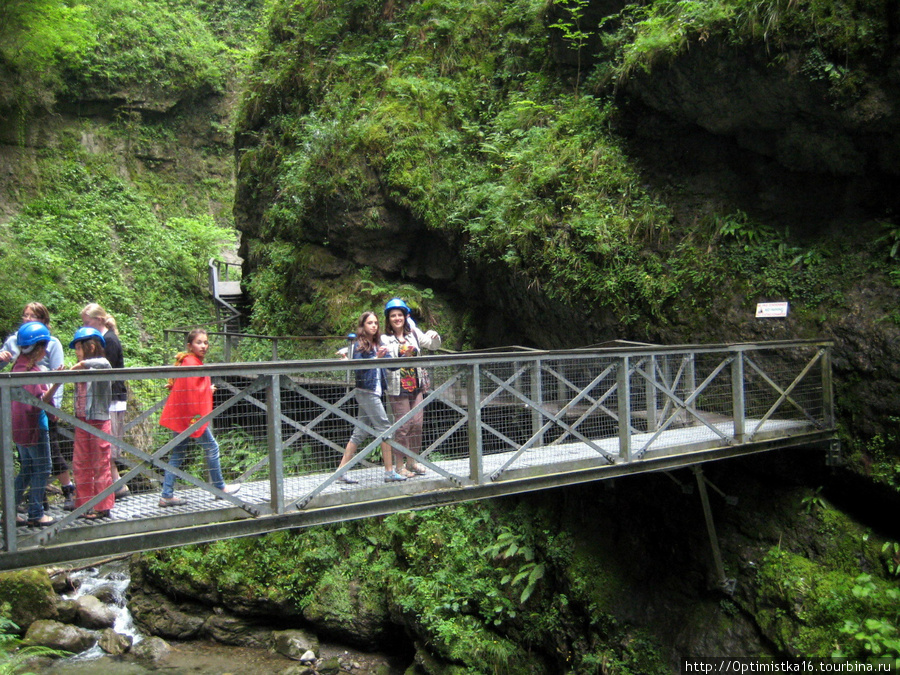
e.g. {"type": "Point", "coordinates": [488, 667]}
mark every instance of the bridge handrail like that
{"type": "Point", "coordinates": [281, 367]}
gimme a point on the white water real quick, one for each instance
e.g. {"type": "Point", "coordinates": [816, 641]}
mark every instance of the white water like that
{"type": "Point", "coordinates": [111, 575]}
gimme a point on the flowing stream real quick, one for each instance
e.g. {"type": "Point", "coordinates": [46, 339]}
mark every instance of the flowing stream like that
{"type": "Point", "coordinates": [110, 582]}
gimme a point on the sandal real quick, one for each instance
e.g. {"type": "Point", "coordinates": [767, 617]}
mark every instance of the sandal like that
{"type": "Point", "coordinates": [40, 522]}
{"type": "Point", "coordinates": [406, 473]}
{"type": "Point", "coordinates": [419, 470]}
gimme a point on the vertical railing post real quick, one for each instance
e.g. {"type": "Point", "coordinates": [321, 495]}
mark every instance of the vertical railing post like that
{"type": "Point", "coordinates": [827, 389]}
{"type": "Point", "coordinates": [537, 395]}
{"type": "Point", "coordinates": [274, 349]}
{"type": "Point", "coordinates": [690, 383]}
{"type": "Point", "coordinates": [738, 403]}
{"type": "Point", "coordinates": [473, 402]}
{"type": "Point", "coordinates": [650, 396]}
{"type": "Point", "coordinates": [276, 456]}
{"type": "Point", "coordinates": [623, 389]}
{"type": "Point", "coordinates": [227, 348]}
{"type": "Point", "coordinates": [7, 472]}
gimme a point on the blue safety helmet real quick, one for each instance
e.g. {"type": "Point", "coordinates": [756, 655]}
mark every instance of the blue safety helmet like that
{"type": "Point", "coordinates": [396, 303]}
{"type": "Point", "coordinates": [86, 333]}
{"type": "Point", "coordinates": [31, 333]}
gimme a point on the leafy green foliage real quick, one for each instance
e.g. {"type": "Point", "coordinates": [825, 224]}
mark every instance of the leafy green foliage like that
{"type": "Point", "coordinates": [874, 639]}
{"type": "Point", "coordinates": [832, 33]}
{"type": "Point", "coordinates": [808, 608]}
{"type": "Point", "coordinates": [149, 275]}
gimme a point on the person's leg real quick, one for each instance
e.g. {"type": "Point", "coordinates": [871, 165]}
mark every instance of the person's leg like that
{"type": "Point", "coordinates": [40, 462]}
{"type": "Point", "coordinates": [23, 478]}
{"type": "Point", "coordinates": [207, 441]}
{"type": "Point", "coordinates": [413, 434]}
{"type": "Point", "coordinates": [100, 451]}
{"type": "Point", "coordinates": [28, 470]}
{"type": "Point", "coordinates": [117, 423]}
{"type": "Point", "coordinates": [60, 465]}
{"type": "Point", "coordinates": [399, 407]}
{"type": "Point", "coordinates": [81, 468]}
{"type": "Point", "coordinates": [175, 460]}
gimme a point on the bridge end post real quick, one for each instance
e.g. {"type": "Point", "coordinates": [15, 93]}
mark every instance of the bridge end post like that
{"type": "Point", "coordinates": [7, 472]}
{"type": "Point", "coordinates": [738, 400]}
{"type": "Point", "coordinates": [623, 386]}
{"type": "Point", "coordinates": [276, 450]}
{"type": "Point", "coordinates": [476, 449]}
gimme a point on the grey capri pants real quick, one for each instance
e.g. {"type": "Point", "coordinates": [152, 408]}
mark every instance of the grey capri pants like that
{"type": "Point", "coordinates": [371, 412]}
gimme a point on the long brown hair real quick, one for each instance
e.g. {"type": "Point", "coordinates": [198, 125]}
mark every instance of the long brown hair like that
{"type": "Point", "coordinates": [363, 342]}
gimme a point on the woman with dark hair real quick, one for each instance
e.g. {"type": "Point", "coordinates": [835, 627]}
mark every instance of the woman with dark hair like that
{"type": "Point", "coordinates": [406, 386]}
{"type": "Point", "coordinates": [369, 387]}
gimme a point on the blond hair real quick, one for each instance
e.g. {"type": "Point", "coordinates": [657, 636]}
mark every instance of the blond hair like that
{"type": "Point", "coordinates": [95, 311]}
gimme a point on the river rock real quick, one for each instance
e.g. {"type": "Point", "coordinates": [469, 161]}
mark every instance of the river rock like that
{"type": "Point", "coordinates": [151, 650]}
{"type": "Point", "coordinates": [109, 595]}
{"type": "Point", "coordinates": [63, 636]}
{"type": "Point", "coordinates": [114, 643]}
{"type": "Point", "coordinates": [330, 666]}
{"type": "Point", "coordinates": [91, 613]}
{"type": "Point", "coordinates": [294, 643]}
{"type": "Point", "coordinates": [30, 595]}
{"type": "Point", "coordinates": [66, 611]}
{"type": "Point", "coordinates": [63, 582]}
{"type": "Point", "coordinates": [298, 670]}
{"type": "Point", "coordinates": [233, 630]}
{"type": "Point", "coordinates": [308, 657]}
{"type": "Point", "coordinates": [349, 614]}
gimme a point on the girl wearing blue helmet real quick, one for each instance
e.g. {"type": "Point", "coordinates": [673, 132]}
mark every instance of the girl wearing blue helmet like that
{"type": "Point", "coordinates": [405, 386]}
{"type": "Point", "coordinates": [53, 360]}
{"type": "Point", "coordinates": [29, 427]}
{"type": "Point", "coordinates": [90, 460]}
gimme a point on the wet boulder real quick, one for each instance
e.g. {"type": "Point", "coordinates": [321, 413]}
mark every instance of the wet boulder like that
{"type": "Point", "coordinates": [114, 643]}
{"type": "Point", "coordinates": [62, 636]}
{"type": "Point", "coordinates": [91, 613]}
{"type": "Point", "coordinates": [294, 643]}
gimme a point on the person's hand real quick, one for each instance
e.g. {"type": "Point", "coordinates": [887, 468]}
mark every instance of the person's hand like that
{"type": "Point", "coordinates": [5, 356]}
{"type": "Point", "coordinates": [78, 366]}
{"type": "Point", "coordinates": [432, 335]}
{"type": "Point", "coordinates": [381, 352]}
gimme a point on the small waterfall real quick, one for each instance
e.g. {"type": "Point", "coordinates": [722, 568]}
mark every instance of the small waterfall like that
{"type": "Point", "coordinates": [109, 581]}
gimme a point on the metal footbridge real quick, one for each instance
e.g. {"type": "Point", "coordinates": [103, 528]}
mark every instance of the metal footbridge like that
{"type": "Point", "coordinates": [495, 423]}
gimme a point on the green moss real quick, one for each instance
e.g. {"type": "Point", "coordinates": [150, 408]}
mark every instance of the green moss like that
{"type": "Point", "coordinates": [28, 595]}
{"type": "Point", "coordinates": [802, 606]}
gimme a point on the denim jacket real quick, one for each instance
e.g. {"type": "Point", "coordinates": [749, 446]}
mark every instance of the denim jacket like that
{"type": "Point", "coordinates": [367, 379]}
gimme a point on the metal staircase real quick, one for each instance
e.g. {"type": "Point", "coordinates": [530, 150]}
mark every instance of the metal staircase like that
{"type": "Point", "coordinates": [225, 287]}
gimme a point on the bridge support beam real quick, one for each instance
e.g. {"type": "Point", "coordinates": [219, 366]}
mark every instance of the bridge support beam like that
{"type": "Point", "coordinates": [726, 585]}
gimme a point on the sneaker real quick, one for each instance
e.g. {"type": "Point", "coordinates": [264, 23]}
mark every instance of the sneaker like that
{"type": "Point", "coordinates": [230, 489]}
{"type": "Point", "coordinates": [346, 479]}
{"type": "Point", "coordinates": [69, 493]}
{"type": "Point", "coordinates": [172, 501]}
{"type": "Point", "coordinates": [392, 477]}
{"type": "Point", "coordinates": [122, 492]}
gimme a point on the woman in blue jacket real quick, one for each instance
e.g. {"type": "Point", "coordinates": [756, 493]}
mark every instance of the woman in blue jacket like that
{"type": "Point", "coordinates": [370, 385]}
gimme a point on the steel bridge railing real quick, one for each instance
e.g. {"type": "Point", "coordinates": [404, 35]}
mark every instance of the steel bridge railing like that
{"type": "Point", "coordinates": [490, 419]}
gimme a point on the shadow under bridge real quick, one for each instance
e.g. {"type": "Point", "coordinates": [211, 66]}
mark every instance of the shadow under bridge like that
{"type": "Point", "coordinates": [494, 424]}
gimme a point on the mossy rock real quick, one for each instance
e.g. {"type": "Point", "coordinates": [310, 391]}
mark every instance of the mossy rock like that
{"type": "Point", "coordinates": [349, 609]}
{"type": "Point", "coordinates": [30, 596]}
